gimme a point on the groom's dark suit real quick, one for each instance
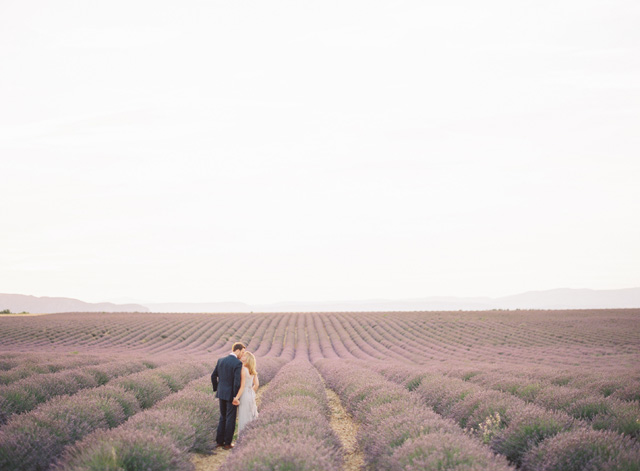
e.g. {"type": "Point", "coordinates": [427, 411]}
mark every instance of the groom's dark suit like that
{"type": "Point", "coordinates": [226, 382]}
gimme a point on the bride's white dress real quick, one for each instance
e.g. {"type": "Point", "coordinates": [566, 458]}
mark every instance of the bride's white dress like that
{"type": "Point", "coordinates": [247, 410]}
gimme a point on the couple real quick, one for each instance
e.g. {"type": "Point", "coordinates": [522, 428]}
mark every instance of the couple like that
{"type": "Point", "coordinates": [235, 380]}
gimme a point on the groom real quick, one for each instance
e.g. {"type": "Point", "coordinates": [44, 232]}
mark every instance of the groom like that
{"type": "Point", "coordinates": [226, 382]}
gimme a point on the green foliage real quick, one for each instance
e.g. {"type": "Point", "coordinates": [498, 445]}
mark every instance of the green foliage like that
{"type": "Point", "coordinates": [519, 437]}
{"type": "Point", "coordinates": [414, 382]}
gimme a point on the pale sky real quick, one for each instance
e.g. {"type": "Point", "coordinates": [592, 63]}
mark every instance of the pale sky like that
{"type": "Point", "coordinates": [318, 150]}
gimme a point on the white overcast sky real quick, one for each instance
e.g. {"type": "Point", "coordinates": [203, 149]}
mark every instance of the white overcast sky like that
{"type": "Point", "coordinates": [318, 150]}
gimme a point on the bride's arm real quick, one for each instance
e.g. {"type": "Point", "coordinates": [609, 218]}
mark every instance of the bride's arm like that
{"type": "Point", "coordinates": [242, 381]}
{"type": "Point", "coordinates": [256, 383]}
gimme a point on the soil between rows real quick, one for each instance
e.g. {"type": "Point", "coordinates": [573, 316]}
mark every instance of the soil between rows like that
{"type": "Point", "coordinates": [346, 429]}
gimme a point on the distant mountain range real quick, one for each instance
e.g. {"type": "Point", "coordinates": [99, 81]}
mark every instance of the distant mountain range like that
{"type": "Point", "coordinates": [34, 304]}
{"type": "Point", "coordinates": [564, 298]}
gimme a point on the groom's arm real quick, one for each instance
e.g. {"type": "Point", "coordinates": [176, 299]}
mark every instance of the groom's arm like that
{"type": "Point", "coordinates": [237, 378]}
{"type": "Point", "coordinates": [214, 378]}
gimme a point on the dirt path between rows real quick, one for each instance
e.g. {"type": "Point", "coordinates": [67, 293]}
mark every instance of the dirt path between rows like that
{"type": "Point", "coordinates": [346, 429]}
{"type": "Point", "coordinates": [213, 462]}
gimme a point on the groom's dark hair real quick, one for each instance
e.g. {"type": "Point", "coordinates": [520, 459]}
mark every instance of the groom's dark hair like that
{"type": "Point", "coordinates": [238, 346]}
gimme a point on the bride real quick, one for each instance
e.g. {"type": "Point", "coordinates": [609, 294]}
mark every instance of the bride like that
{"type": "Point", "coordinates": [247, 410]}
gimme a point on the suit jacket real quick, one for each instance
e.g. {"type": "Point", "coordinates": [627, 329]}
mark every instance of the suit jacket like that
{"type": "Point", "coordinates": [226, 377]}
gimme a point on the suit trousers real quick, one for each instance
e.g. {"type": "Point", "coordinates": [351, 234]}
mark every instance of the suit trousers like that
{"type": "Point", "coordinates": [227, 422]}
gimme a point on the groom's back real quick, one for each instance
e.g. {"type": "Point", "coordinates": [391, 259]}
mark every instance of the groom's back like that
{"type": "Point", "coordinates": [226, 371]}
{"type": "Point", "coordinates": [225, 368]}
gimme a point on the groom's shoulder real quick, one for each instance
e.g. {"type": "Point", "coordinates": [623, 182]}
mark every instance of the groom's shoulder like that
{"type": "Point", "coordinates": [228, 358]}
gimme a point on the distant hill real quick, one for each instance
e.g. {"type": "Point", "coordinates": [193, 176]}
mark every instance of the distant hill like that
{"type": "Point", "coordinates": [47, 305]}
{"type": "Point", "coordinates": [563, 298]}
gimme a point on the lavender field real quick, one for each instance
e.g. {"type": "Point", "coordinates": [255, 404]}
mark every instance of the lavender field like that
{"type": "Point", "coordinates": [485, 390]}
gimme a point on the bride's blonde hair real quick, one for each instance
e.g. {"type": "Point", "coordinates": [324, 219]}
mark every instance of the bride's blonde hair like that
{"type": "Point", "coordinates": [250, 362]}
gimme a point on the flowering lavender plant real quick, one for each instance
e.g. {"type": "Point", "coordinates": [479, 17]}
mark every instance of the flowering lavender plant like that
{"type": "Point", "coordinates": [133, 450]}
{"type": "Point", "coordinates": [584, 449]}
{"type": "Point", "coordinates": [443, 451]}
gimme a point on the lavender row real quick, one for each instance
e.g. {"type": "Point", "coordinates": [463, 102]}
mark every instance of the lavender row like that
{"type": "Point", "coordinates": [397, 432]}
{"type": "Point", "coordinates": [31, 441]}
{"type": "Point", "coordinates": [11, 360]}
{"type": "Point", "coordinates": [159, 437]}
{"type": "Point", "coordinates": [513, 399]}
{"type": "Point", "coordinates": [584, 449]}
{"type": "Point", "coordinates": [602, 413]}
{"type": "Point", "coordinates": [22, 366]}
{"type": "Point", "coordinates": [292, 431]}
{"type": "Point", "coordinates": [526, 382]}
{"type": "Point", "coordinates": [508, 424]}
{"type": "Point", "coordinates": [26, 394]}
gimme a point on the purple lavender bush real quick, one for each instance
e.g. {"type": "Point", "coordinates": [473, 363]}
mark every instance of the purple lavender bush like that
{"type": "Point", "coordinates": [268, 368]}
{"type": "Point", "coordinates": [148, 387]}
{"type": "Point", "coordinates": [178, 375]}
{"type": "Point", "coordinates": [588, 407]}
{"type": "Point", "coordinates": [166, 423]}
{"type": "Point", "coordinates": [105, 373]}
{"type": "Point", "coordinates": [475, 408]}
{"type": "Point", "coordinates": [440, 451]}
{"type": "Point", "coordinates": [130, 450]}
{"type": "Point", "coordinates": [595, 404]}
{"type": "Point", "coordinates": [295, 453]}
{"type": "Point", "coordinates": [387, 427]}
{"type": "Point", "coordinates": [26, 394]}
{"type": "Point", "coordinates": [291, 410]}
{"type": "Point", "coordinates": [584, 450]}
{"type": "Point", "coordinates": [151, 386]}
{"type": "Point", "coordinates": [528, 428]}
{"type": "Point", "coordinates": [30, 441]}
{"type": "Point", "coordinates": [559, 397]}
{"type": "Point", "coordinates": [27, 365]}
{"type": "Point", "coordinates": [410, 378]}
{"type": "Point", "coordinates": [623, 417]}
{"type": "Point", "coordinates": [197, 409]}
{"type": "Point", "coordinates": [294, 383]}
{"type": "Point", "coordinates": [629, 392]}
{"type": "Point", "coordinates": [442, 394]}
{"type": "Point", "coordinates": [283, 430]}
{"type": "Point", "coordinates": [126, 399]}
